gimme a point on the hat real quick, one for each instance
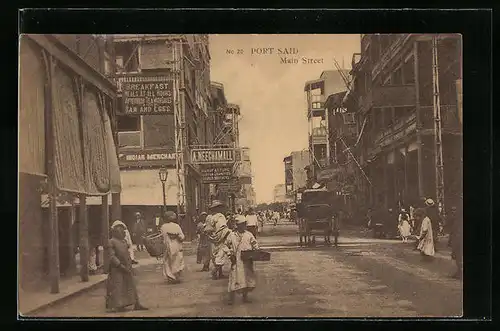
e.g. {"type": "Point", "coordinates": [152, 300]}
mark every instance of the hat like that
{"type": "Point", "coordinates": [216, 203]}
{"type": "Point", "coordinates": [240, 219]}
{"type": "Point", "coordinates": [137, 213]}
{"type": "Point", "coordinates": [118, 223]}
{"type": "Point", "coordinates": [429, 202]}
{"type": "Point", "coordinates": [203, 213]}
{"type": "Point", "coordinates": [170, 216]}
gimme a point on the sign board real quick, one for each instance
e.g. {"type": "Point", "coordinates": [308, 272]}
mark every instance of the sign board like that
{"type": "Point", "coordinates": [232, 186]}
{"type": "Point", "coordinates": [147, 95]}
{"type": "Point", "coordinates": [216, 174]}
{"type": "Point", "coordinates": [149, 158]}
{"type": "Point", "coordinates": [213, 156]}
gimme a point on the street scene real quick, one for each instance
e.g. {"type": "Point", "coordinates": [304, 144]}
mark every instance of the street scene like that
{"type": "Point", "coordinates": [362, 277]}
{"type": "Point", "coordinates": [254, 175]}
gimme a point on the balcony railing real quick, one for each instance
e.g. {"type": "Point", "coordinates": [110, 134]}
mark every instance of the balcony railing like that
{"type": "Point", "coordinates": [131, 139]}
{"type": "Point", "coordinates": [395, 132]}
{"type": "Point", "coordinates": [450, 122]}
{"type": "Point", "coordinates": [394, 96]}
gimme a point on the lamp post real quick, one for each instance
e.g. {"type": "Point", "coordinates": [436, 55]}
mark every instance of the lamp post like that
{"type": "Point", "coordinates": [163, 178]}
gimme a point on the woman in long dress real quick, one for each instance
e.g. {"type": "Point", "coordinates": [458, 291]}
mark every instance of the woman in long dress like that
{"type": "Point", "coordinates": [121, 290]}
{"type": "Point", "coordinates": [425, 239]}
{"type": "Point", "coordinates": [173, 258]}
{"type": "Point", "coordinates": [242, 278]}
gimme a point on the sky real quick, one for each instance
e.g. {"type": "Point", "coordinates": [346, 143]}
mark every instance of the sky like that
{"type": "Point", "coordinates": [271, 93]}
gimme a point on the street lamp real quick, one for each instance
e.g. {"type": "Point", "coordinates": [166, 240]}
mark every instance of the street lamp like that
{"type": "Point", "coordinates": [163, 178]}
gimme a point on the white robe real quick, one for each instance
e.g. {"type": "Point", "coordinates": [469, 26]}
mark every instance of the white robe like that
{"type": "Point", "coordinates": [426, 244]}
{"type": "Point", "coordinates": [242, 275]}
{"type": "Point", "coordinates": [173, 258]}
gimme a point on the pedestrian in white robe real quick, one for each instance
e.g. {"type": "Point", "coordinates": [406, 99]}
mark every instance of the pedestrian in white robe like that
{"type": "Point", "coordinates": [216, 228]}
{"type": "Point", "coordinates": [173, 258]}
{"type": "Point", "coordinates": [425, 239]}
{"type": "Point", "coordinates": [242, 278]}
{"type": "Point", "coordinates": [128, 240]}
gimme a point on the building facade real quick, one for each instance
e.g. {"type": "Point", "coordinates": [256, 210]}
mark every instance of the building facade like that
{"type": "Point", "coordinates": [164, 102]}
{"type": "Point", "coordinates": [316, 93]}
{"type": "Point", "coordinates": [296, 165]}
{"type": "Point", "coordinates": [394, 99]}
{"type": "Point", "coordinates": [279, 193]}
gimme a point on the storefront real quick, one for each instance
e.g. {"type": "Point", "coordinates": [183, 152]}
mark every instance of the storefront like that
{"type": "Point", "coordinates": [66, 149]}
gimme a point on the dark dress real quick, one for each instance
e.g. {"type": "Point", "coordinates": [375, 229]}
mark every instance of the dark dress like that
{"type": "Point", "coordinates": [121, 289]}
{"type": "Point", "coordinates": [139, 232]}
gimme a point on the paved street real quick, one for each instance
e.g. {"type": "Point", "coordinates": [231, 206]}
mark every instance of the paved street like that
{"type": "Point", "coordinates": [362, 277]}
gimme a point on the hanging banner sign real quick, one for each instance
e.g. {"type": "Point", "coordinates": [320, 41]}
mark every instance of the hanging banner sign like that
{"type": "Point", "coordinates": [217, 174]}
{"type": "Point", "coordinates": [213, 156]}
{"type": "Point", "coordinates": [127, 159]}
{"type": "Point", "coordinates": [229, 187]}
{"type": "Point", "coordinates": [147, 95]}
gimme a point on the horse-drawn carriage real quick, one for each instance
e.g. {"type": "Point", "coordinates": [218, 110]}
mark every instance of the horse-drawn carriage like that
{"type": "Point", "coordinates": [318, 215]}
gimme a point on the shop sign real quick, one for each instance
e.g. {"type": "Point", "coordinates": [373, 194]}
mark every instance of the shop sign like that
{"type": "Point", "coordinates": [147, 95]}
{"type": "Point", "coordinates": [149, 158]}
{"type": "Point", "coordinates": [213, 156]}
{"type": "Point", "coordinates": [216, 174]}
{"type": "Point", "coordinates": [232, 186]}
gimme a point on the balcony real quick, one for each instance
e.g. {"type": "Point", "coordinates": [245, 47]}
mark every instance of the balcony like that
{"type": "Point", "coordinates": [450, 122]}
{"type": "Point", "coordinates": [394, 96]}
{"type": "Point", "coordinates": [396, 132]}
{"type": "Point", "coordinates": [318, 136]}
{"type": "Point", "coordinates": [316, 105]}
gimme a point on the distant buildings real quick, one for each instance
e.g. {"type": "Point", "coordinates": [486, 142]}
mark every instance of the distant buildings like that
{"type": "Point", "coordinates": [279, 193]}
{"type": "Point", "coordinates": [295, 172]}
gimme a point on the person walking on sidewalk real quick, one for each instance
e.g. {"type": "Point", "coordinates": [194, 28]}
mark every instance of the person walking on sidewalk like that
{"type": "Point", "coordinates": [425, 238]}
{"type": "Point", "coordinates": [242, 277]}
{"type": "Point", "coordinates": [203, 252]}
{"type": "Point", "coordinates": [252, 222]}
{"type": "Point", "coordinates": [121, 290]}
{"type": "Point", "coordinates": [139, 230]}
{"type": "Point", "coordinates": [173, 258]}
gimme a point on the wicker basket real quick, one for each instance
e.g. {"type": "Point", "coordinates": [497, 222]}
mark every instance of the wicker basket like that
{"type": "Point", "coordinates": [256, 255]}
{"type": "Point", "coordinates": [154, 244]}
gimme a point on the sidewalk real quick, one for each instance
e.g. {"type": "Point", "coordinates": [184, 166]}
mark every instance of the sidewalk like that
{"type": "Point", "coordinates": [32, 301]}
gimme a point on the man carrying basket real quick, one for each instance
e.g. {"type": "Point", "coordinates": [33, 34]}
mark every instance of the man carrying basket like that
{"type": "Point", "coordinates": [242, 276]}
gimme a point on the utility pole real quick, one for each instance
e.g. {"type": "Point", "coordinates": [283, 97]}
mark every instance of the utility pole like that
{"type": "Point", "coordinates": [180, 125]}
{"type": "Point", "coordinates": [438, 143]}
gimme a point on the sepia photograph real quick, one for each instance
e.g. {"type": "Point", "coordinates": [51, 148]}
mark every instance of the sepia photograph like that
{"type": "Point", "coordinates": [240, 175]}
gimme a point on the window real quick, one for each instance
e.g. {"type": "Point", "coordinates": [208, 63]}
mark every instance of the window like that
{"type": "Point", "coordinates": [128, 123]}
{"type": "Point", "coordinates": [349, 118]}
{"type": "Point", "coordinates": [316, 105]}
{"type": "Point", "coordinates": [127, 57]}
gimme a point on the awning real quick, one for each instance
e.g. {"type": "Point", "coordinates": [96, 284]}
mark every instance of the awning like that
{"type": "Point", "coordinates": [143, 188]}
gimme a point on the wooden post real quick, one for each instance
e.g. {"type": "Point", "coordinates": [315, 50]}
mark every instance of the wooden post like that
{"type": "Point", "coordinates": [84, 239]}
{"type": "Point", "coordinates": [116, 211]}
{"type": "Point", "coordinates": [419, 121]}
{"type": "Point", "coordinates": [405, 192]}
{"type": "Point", "coordinates": [71, 239]}
{"type": "Point", "coordinates": [105, 229]}
{"type": "Point", "coordinates": [53, 237]}
{"type": "Point", "coordinates": [384, 167]}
